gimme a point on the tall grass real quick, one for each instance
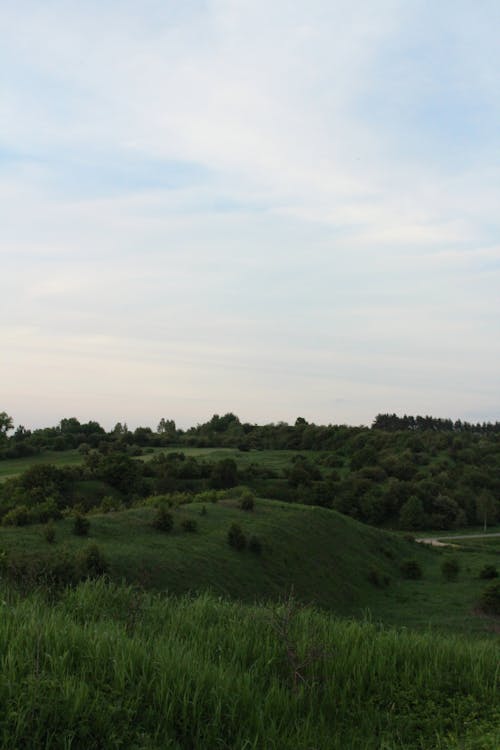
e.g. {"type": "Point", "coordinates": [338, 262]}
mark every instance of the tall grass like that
{"type": "Point", "coordinates": [109, 667]}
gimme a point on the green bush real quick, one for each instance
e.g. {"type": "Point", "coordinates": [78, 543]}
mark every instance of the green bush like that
{"type": "Point", "coordinates": [189, 525]}
{"type": "Point", "coordinates": [255, 545]}
{"type": "Point", "coordinates": [19, 516]}
{"type": "Point", "coordinates": [93, 562]}
{"type": "Point", "coordinates": [450, 569]}
{"type": "Point", "coordinates": [49, 533]}
{"type": "Point", "coordinates": [488, 572]}
{"type": "Point", "coordinates": [411, 569]}
{"type": "Point", "coordinates": [163, 520]}
{"type": "Point", "coordinates": [247, 501]}
{"type": "Point", "coordinates": [236, 537]}
{"type": "Point", "coordinates": [81, 525]}
{"type": "Point", "coordinates": [489, 601]}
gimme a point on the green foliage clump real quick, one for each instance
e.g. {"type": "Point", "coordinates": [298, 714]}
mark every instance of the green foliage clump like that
{"type": "Point", "coordinates": [377, 578]}
{"type": "Point", "coordinates": [19, 516]}
{"type": "Point", "coordinates": [488, 572]}
{"type": "Point", "coordinates": [93, 562]}
{"type": "Point", "coordinates": [163, 520]}
{"type": "Point", "coordinates": [49, 533]}
{"type": "Point", "coordinates": [489, 601]}
{"type": "Point", "coordinates": [255, 545]}
{"type": "Point", "coordinates": [189, 525]}
{"type": "Point", "coordinates": [411, 569]}
{"type": "Point", "coordinates": [81, 525]}
{"type": "Point", "coordinates": [235, 537]}
{"type": "Point", "coordinates": [247, 500]}
{"type": "Point", "coordinates": [450, 569]}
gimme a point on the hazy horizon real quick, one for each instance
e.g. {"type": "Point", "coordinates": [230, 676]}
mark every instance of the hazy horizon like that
{"type": "Point", "coordinates": [277, 211]}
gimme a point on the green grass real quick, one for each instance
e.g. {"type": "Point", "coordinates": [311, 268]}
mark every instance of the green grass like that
{"type": "Point", "coordinates": [325, 557]}
{"type": "Point", "coordinates": [109, 667]}
{"type": "Point", "coordinates": [12, 467]}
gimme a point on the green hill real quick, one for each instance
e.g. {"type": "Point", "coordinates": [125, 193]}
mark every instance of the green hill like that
{"type": "Point", "coordinates": [326, 558]}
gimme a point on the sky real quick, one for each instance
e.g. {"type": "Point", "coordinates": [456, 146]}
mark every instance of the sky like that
{"type": "Point", "coordinates": [275, 209]}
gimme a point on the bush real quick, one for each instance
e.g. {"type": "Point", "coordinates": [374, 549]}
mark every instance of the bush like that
{"type": "Point", "coordinates": [411, 569]}
{"type": "Point", "coordinates": [163, 520]}
{"type": "Point", "coordinates": [489, 601]}
{"type": "Point", "coordinates": [489, 571]}
{"type": "Point", "coordinates": [247, 501]}
{"type": "Point", "coordinates": [450, 569]}
{"type": "Point", "coordinates": [203, 511]}
{"type": "Point", "coordinates": [255, 545]}
{"type": "Point", "coordinates": [81, 525]}
{"type": "Point", "coordinates": [189, 524]}
{"type": "Point", "coordinates": [49, 533]}
{"type": "Point", "coordinates": [93, 562]}
{"type": "Point", "coordinates": [19, 516]}
{"type": "Point", "coordinates": [236, 537]}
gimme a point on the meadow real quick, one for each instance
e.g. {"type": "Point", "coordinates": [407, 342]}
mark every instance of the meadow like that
{"type": "Point", "coordinates": [330, 561]}
{"type": "Point", "coordinates": [109, 666]}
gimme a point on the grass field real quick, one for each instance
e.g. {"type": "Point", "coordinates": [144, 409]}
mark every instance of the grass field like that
{"type": "Point", "coordinates": [109, 667]}
{"type": "Point", "coordinates": [276, 460]}
{"type": "Point", "coordinates": [12, 467]}
{"type": "Point", "coordinates": [328, 559]}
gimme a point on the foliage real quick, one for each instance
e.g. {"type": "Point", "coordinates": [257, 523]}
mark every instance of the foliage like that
{"type": "Point", "coordinates": [247, 501]}
{"type": "Point", "coordinates": [411, 569]}
{"type": "Point", "coordinates": [489, 601]}
{"type": "Point", "coordinates": [106, 666]}
{"type": "Point", "coordinates": [255, 545]}
{"type": "Point", "coordinates": [49, 533]}
{"type": "Point", "coordinates": [163, 520]}
{"type": "Point", "coordinates": [81, 525]}
{"type": "Point", "coordinates": [488, 572]}
{"type": "Point", "coordinates": [93, 562]}
{"type": "Point", "coordinates": [235, 537]}
{"type": "Point", "coordinates": [189, 525]}
{"type": "Point", "coordinates": [450, 569]}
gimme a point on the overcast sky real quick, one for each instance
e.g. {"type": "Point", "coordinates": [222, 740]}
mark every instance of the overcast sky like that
{"type": "Point", "coordinates": [272, 208]}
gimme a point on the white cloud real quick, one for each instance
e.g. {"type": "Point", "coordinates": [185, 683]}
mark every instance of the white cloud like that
{"type": "Point", "coordinates": [327, 227]}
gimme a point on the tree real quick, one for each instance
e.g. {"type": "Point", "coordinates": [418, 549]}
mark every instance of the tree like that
{"type": "Point", "coordinates": [167, 428]}
{"type": "Point", "coordinates": [411, 515]}
{"type": "Point", "coordinates": [486, 508]}
{"type": "Point", "coordinates": [6, 424]}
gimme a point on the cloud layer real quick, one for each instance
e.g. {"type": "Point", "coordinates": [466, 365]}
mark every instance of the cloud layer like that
{"type": "Point", "coordinates": [215, 206]}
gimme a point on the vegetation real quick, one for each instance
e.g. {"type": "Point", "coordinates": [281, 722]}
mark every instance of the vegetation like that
{"type": "Point", "coordinates": [109, 666]}
{"type": "Point", "coordinates": [131, 641]}
{"type": "Point", "coordinates": [408, 473]}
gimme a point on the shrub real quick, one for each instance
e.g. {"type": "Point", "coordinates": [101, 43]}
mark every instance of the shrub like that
{"type": "Point", "coordinates": [489, 601]}
{"type": "Point", "coordinates": [19, 516]}
{"type": "Point", "coordinates": [190, 525]}
{"type": "Point", "coordinates": [255, 545]}
{"type": "Point", "coordinates": [411, 569]}
{"type": "Point", "coordinates": [93, 562]}
{"type": "Point", "coordinates": [203, 511]}
{"type": "Point", "coordinates": [81, 525]}
{"type": "Point", "coordinates": [247, 501]}
{"type": "Point", "coordinates": [236, 537]}
{"type": "Point", "coordinates": [163, 520]}
{"type": "Point", "coordinates": [49, 533]}
{"type": "Point", "coordinates": [489, 571]}
{"type": "Point", "coordinates": [450, 569]}
{"type": "Point", "coordinates": [375, 577]}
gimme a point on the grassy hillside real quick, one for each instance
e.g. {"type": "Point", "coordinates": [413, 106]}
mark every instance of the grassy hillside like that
{"type": "Point", "coordinates": [107, 667]}
{"type": "Point", "coordinates": [328, 559]}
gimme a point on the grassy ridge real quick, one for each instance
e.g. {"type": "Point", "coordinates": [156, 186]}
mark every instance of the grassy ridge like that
{"type": "Point", "coordinates": [327, 558]}
{"type": "Point", "coordinates": [324, 556]}
{"type": "Point", "coordinates": [107, 667]}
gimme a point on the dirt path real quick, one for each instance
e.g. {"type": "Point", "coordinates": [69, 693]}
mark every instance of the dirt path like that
{"type": "Point", "coordinates": [436, 541]}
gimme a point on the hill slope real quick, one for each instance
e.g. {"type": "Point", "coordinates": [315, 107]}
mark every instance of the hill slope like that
{"type": "Point", "coordinates": [324, 556]}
